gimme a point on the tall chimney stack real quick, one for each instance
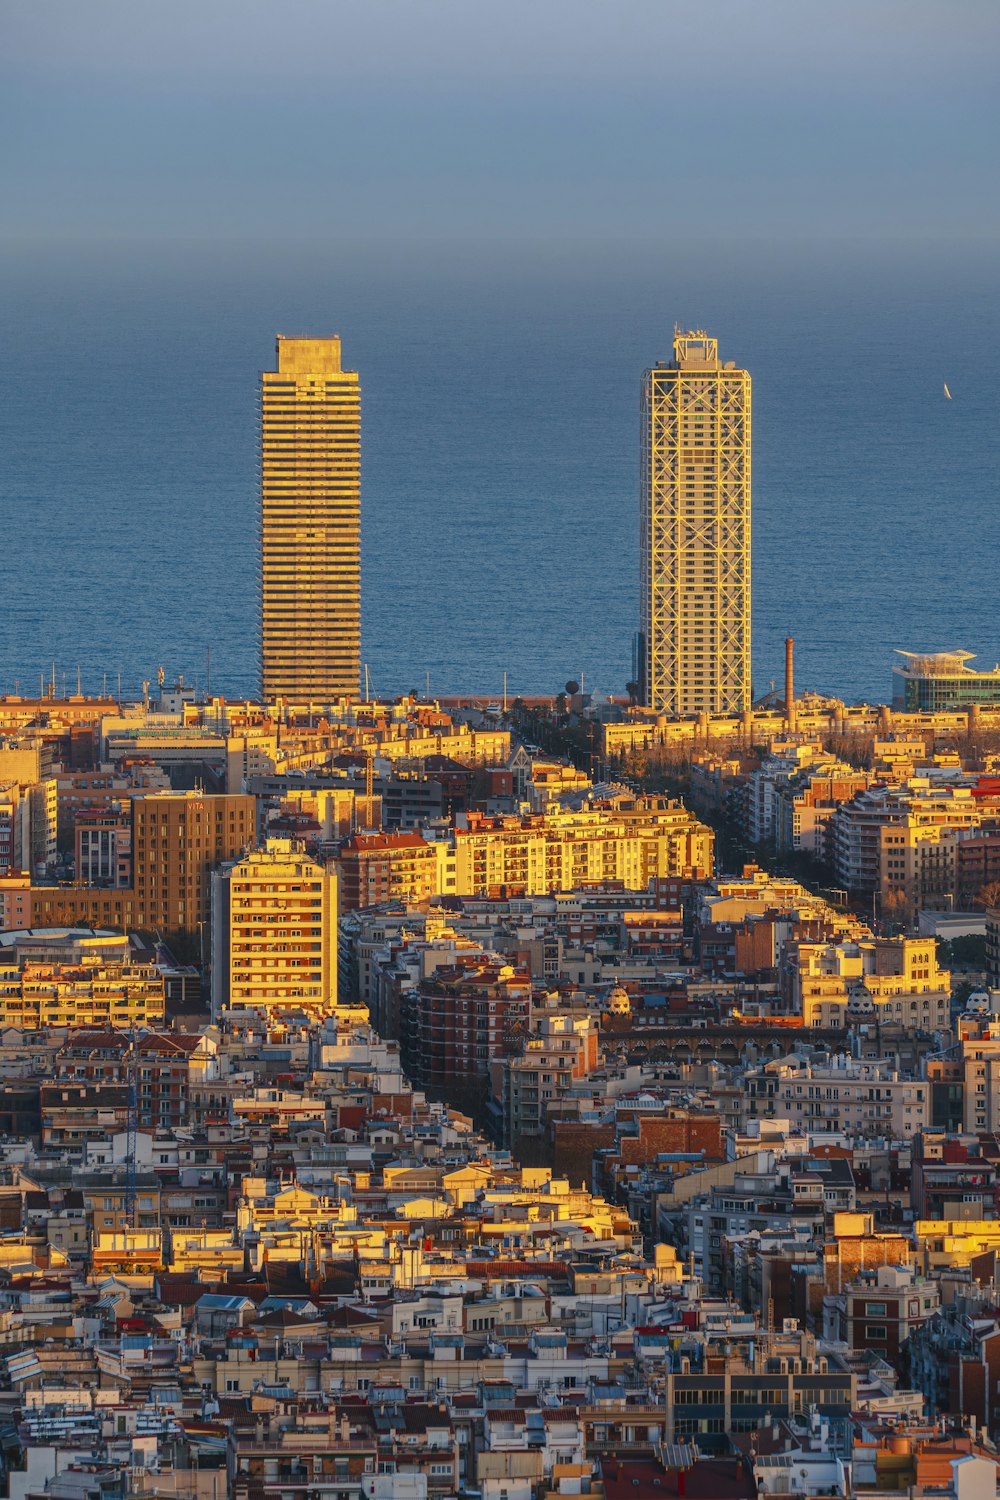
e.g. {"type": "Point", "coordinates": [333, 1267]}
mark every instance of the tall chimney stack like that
{"type": "Point", "coordinates": [790, 681]}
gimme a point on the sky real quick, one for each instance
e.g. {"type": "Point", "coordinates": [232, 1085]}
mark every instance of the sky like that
{"type": "Point", "coordinates": [460, 120]}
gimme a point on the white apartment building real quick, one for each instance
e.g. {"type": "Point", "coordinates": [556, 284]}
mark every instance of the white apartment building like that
{"type": "Point", "coordinates": [861, 1099]}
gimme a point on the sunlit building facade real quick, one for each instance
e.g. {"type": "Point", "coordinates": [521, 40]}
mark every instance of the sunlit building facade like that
{"type": "Point", "coordinates": [934, 682]}
{"type": "Point", "coordinates": [310, 525]}
{"type": "Point", "coordinates": [275, 931]}
{"type": "Point", "coordinates": [694, 641]}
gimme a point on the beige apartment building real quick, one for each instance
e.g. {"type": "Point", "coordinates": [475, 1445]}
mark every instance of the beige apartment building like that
{"type": "Point", "coordinates": [981, 1079]}
{"type": "Point", "coordinates": [651, 838]}
{"type": "Point", "coordinates": [564, 850]}
{"type": "Point", "coordinates": [859, 1098]}
{"type": "Point", "coordinates": [275, 931]}
{"type": "Point", "coordinates": [895, 839]}
{"type": "Point", "coordinates": [561, 1049]}
{"type": "Point", "coordinates": [28, 825]}
{"type": "Point", "coordinates": [695, 530]}
{"type": "Point", "coordinates": [921, 863]}
{"type": "Point", "coordinates": [895, 981]}
{"type": "Point", "coordinates": [310, 525]}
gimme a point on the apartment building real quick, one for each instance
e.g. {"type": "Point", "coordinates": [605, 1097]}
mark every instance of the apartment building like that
{"type": "Point", "coordinates": [28, 823]}
{"type": "Point", "coordinates": [561, 1049]}
{"type": "Point", "coordinates": [121, 995]}
{"type": "Point", "coordinates": [374, 868]}
{"type": "Point", "coordinates": [632, 843]}
{"type": "Point", "coordinates": [979, 1049]}
{"type": "Point", "coordinates": [894, 981]}
{"type": "Point", "coordinates": [274, 925]}
{"type": "Point", "coordinates": [859, 1099]}
{"type": "Point", "coordinates": [894, 840]}
{"type": "Point", "coordinates": [806, 802]}
{"type": "Point", "coordinates": [178, 838]}
{"type": "Point", "coordinates": [102, 839]}
{"type": "Point", "coordinates": [456, 1023]}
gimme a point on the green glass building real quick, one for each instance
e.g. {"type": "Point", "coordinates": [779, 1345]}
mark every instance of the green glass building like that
{"type": "Point", "coordinates": [942, 680]}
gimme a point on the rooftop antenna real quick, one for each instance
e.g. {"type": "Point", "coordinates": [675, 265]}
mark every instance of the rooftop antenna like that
{"type": "Point", "coordinates": [208, 671]}
{"type": "Point", "coordinates": [79, 689]}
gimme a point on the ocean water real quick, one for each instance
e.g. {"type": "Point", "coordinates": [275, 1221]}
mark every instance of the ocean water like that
{"type": "Point", "coordinates": [500, 461]}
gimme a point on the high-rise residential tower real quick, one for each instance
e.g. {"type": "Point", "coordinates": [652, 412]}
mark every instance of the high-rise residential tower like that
{"type": "Point", "coordinates": [310, 525]}
{"type": "Point", "coordinates": [694, 642]}
{"type": "Point", "coordinates": [274, 931]}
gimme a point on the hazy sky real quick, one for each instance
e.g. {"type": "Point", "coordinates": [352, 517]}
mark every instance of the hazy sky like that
{"type": "Point", "coordinates": [547, 119]}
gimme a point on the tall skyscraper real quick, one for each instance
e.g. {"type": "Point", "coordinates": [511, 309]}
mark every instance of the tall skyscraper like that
{"type": "Point", "coordinates": [694, 642]}
{"type": "Point", "coordinates": [310, 525]}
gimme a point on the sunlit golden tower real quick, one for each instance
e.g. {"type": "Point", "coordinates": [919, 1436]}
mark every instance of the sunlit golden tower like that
{"type": "Point", "coordinates": [310, 525]}
{"type": "Point", "coordinates": [695, 609]}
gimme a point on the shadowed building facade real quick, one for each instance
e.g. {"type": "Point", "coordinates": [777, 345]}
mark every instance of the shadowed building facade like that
{"type": "Point", "coordinates": [694, 642]}
{"type": "Point", "coordinates": [310, 525]}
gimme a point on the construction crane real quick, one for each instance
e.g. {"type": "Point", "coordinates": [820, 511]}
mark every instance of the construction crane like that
{"type": "Point", "coordinates": [368, 814]}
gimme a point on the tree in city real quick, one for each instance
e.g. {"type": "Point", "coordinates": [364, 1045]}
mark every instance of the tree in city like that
{"type": "Point", "coordinates": [895, 904]}
{"type": "Point", "coordinates": [635, 764]}
{"type": "Point", "coordinates": [989, 895]}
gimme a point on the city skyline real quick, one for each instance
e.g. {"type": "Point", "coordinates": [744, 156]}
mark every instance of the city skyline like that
{"type": "Point", "coordinates": [506, 190]}
{"type": "Point", "coordinates": [438, 1062]}
{"type": "Point", "coordinates": [63, 672]}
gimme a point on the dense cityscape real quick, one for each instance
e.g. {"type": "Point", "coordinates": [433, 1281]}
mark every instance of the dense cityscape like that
{"type": "Point", "coordinates": [504, 1098]}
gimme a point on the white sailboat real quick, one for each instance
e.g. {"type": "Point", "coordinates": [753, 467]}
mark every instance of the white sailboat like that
{"type": "Point", "coordinates": [946, 391]}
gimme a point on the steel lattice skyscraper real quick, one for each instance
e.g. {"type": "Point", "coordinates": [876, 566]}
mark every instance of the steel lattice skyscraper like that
{"type": "Point", "coordinates": [694, 643]}
{"type": "Point", "coordinates": [310, 525]}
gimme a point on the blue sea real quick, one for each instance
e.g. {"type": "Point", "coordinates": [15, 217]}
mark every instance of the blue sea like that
{"type": "Point", "coordinates": [500, 463]}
